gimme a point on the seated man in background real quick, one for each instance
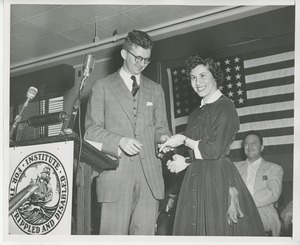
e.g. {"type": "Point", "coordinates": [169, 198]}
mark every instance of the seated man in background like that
{"type": "Point", "coordinates": [264, 181]}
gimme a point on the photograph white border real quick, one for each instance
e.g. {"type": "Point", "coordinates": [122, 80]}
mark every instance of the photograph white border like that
{"type": "Point", "coordinates": [147, 239]}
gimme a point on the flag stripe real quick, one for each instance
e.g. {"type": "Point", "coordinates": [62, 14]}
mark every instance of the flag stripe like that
{"type": "Point", "coordinates": [278, 123]}
{"type": "Point", "coordinates": [271, 99]}
{"type": "Point", "coordinates": [269, 66]}
{"type": "Point", "coordinates": [270, 75]}
{"type": "Point", "coordinates": [270, 82]}
{"type": "Point", "coordinates": [284, 89]}
{"type": "Point", "coordinates": [264, 108]}
{"type": "Point", "coordinates": [276, 58]}
{"type": "Point", "coordinates": [269, 133]}
{"type": "Point", "coordinates": [266, 116]}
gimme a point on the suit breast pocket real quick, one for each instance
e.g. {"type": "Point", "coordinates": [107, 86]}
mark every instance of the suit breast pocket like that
{"type": "Point", "coordinates": [148, 114]}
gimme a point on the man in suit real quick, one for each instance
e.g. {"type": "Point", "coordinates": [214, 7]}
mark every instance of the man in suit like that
{"type": "Point", "coordinates": [264, 181]}
{"type": "Point", "coordinates": [126, 112]}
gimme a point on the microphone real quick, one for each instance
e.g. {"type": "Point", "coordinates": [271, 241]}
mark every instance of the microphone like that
{"type": "Point", "coordinates": [88, 67]}
{"type": "Point", "coordinates": [47, 119]}
{"type": "Point", "coordinates": [31, 93]}
{"type": "Point", "coordinates": [17, 200]}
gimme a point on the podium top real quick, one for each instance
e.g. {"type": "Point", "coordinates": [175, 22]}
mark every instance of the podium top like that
{"type": "Point", "coordinates": [90, 155]}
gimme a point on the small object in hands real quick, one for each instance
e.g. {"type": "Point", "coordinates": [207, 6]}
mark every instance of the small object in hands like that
{"type": "Point", "coordinates": [172, 142]}
{"type": "Point", "coordinates": [158, 145]}
{"type": "Point", "coordinates": [188, 160]}
{"type": "Point", "coordinates": [164, 149]}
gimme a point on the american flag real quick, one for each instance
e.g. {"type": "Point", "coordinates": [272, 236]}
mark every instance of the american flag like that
{"type": "Point", "coordinates": [262, 87]}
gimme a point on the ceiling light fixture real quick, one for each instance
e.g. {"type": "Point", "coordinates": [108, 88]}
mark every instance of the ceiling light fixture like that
{"type": "Point", "coordinates": [96, 38]}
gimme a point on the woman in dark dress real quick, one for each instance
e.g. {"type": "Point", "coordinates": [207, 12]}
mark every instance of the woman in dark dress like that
{"type": "Point", "coordinates": [213, 199]}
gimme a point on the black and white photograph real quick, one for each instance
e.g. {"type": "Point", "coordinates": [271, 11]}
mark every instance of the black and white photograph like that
{"type": "Point", "coordinates": [151, 122]}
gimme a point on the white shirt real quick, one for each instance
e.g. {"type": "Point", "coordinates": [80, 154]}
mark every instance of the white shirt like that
{"type": "Point", "coordinates": [127, 78]}
{"type": "Point", "coordinates": [251, 174]}
{"type": "Point", "coordinates": [215, 96]}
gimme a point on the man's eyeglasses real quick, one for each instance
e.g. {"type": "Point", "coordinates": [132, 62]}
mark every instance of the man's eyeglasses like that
{"type": "Point", "coordinates": [139, 59]}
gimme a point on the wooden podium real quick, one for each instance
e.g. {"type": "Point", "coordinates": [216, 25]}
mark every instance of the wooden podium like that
{"type": "Point", "coordinates": [86, 159]}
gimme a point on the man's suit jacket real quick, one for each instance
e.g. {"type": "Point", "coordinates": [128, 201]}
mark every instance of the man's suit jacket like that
{"type": "Point", "coordinates": [110, 116]}
{"type": "Point", "coordinates": [267, 190]}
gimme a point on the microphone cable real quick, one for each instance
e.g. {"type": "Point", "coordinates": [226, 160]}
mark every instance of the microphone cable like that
{"type": "Point", "coordinates": [80, 133]}
{"type": "Point", "coordinates": [88, 67]}
{"type": "Point", "coordinates": [79, 164]}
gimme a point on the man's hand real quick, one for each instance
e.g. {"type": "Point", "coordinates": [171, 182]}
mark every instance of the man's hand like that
{"type": "Point", "coordinates": [177, 164]}
{"type": "Point", "coordinates": [163, 139]}
{"type": "Point", "coordinates": [130, 146]}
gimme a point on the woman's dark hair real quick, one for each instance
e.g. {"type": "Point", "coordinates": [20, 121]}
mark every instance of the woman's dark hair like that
{"type": "Point", "coordinates": [138, 38]}
{"type": "Point", "coordinates": [209, 63]}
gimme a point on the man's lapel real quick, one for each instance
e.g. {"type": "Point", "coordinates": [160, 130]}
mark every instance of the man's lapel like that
{"type": "Point", "coordinates": [260, 175]}
{"type": "Point", "coordinates": [123, 95]}
{"type": "Point", "coordinates": [144, 96]}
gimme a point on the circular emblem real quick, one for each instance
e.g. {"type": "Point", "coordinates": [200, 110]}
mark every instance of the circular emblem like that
{"type": "Point", "coordinates": [38, 193]}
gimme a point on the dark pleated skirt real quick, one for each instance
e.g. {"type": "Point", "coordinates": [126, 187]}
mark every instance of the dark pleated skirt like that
{"type": "Point", "coordinates": [204, 200]}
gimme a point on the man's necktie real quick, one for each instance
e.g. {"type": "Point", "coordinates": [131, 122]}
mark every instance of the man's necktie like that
{"type": "Point", "coordinates": [135, 86]}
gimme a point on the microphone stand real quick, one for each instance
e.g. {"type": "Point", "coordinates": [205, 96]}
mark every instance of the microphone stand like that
{"type": "Point", "coordinates": [69, 130]}
{"type": "Point", "coordinates": [31, 93]}
{"type": "Point", "coordinates": [89, 62]}
{"type": "Point", "coordinates": [75, 109]}
{"type": "Point", "coordinates": [14, 126]}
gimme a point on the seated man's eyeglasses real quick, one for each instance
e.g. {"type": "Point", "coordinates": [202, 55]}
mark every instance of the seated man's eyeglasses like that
{"type": "Point", "coordinates": [139, 59]}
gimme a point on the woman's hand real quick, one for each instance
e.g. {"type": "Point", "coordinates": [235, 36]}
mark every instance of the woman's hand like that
{"type": "Point", "coordinates": [177, 164]}
{"type": "Point", "coordinates": [174, 141]}
{"type": "Point", "coordinates": [234, 211]}
{"type": "Point", "coordinates": [159, 143]}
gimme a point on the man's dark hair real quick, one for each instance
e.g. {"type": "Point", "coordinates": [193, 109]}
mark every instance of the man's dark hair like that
{"type": "Point", "coordinates": [252, 132]}
{"type": "Point", "coordinates": [138, 38]}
